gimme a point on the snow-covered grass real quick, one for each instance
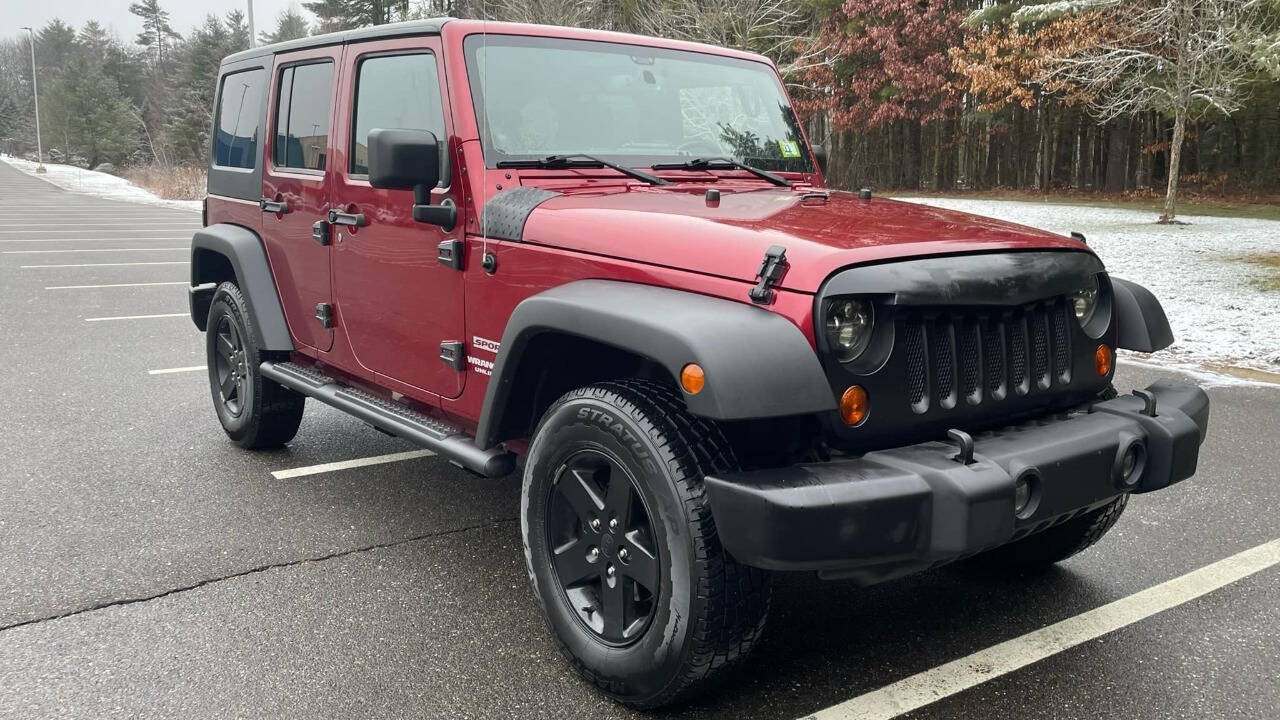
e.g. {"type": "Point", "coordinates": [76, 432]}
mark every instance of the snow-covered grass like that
{"type": "Point", "coordinates": [98, 184]}
{"type": "Point", "coordinates": [1219, 307]}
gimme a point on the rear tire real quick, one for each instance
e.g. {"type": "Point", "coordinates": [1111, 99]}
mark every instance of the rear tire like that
{"type": "Point", "coordinates": [255, 412]}
{"type": "Point", "coordinates": [686, 612]}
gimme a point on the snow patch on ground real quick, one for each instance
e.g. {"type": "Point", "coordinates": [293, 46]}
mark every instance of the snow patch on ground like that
{"type": "Point", "coordinates": [1218, 316]}
{"type": "Point", "coordinates": [70, 177]}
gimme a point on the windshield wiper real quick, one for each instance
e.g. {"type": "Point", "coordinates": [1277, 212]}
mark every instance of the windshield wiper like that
{"type": "Point", "coordinates": [706, 163]}
{"type": "Point", "coordinates": [581, 160]}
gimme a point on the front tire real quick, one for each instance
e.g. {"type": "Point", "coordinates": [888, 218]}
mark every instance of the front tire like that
{"type": "Point", "coordinates": [622, 549]}
{"type": "Point", "coordinates": [255, 412]}
{"type": "Point", "coordinates": [1047, 547]}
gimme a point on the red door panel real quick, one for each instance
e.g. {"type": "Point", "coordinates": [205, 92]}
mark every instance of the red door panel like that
{"type": "Point", "coordinates": [396, 302]}
{"type": "Point", "coordinates": [299, 144]}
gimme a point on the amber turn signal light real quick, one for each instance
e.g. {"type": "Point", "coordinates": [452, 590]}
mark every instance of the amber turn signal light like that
{"type": "Point", "coordinates": [692, 379]}
{"type": "Point", "coordinates": [1102, 360]}
{"type": "Point", "coordinates": [854, 405]}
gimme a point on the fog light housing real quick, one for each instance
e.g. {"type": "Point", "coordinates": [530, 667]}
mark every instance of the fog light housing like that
{"type": "Point", "coordinates": [1130, 464]}
{"type": "Point", "coordinates": [854, 406]}
{"type": "Point", "coordinates": [1026, 494]}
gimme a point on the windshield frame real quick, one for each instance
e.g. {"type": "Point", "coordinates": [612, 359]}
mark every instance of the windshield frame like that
{"type": "Point", "coordinates": [472, 42]}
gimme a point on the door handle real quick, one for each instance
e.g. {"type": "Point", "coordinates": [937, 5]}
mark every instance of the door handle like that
{"type": "Point", "coordinates": [274, 206]}
{"type": "Point", "coordinates": [350, 219]}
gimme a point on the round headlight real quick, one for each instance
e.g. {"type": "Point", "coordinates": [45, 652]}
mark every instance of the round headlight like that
{"type": "Point", "coordinates": [1085, 302]}
{"type": "Point", "coordinates": [848, 325]}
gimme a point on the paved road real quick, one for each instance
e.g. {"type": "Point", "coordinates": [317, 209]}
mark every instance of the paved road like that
{"type": "Point", "coordinates": [150, 568]}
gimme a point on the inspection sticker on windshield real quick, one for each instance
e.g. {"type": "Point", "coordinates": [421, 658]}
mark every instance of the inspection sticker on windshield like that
{"type": "Point", "coordinates": [789, 148]}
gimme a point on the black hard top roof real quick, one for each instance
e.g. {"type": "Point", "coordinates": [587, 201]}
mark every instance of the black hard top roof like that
{"type": "Point", "coordinates": [409, 27]}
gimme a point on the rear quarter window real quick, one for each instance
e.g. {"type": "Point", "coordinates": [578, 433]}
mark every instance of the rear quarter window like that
{"type": "Point", "coordinates": [236, 132]}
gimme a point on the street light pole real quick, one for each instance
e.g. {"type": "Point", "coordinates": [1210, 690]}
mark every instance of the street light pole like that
{"type": "Point", "coordinates": [253, 39]}
{"type": "Point", "coordinates": [35, 93]}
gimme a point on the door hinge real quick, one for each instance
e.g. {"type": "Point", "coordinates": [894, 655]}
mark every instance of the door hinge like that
{"type": "Point", "coordinates": [772, 269]}
{"type": "Point", "coordinates": [320, 231]}
{"type": "Point", "coordinates": [449, 253]}
{"type": "Point", "coordinates": [453, 355]}
{"type": "Point", "coordinates": [324, 313]}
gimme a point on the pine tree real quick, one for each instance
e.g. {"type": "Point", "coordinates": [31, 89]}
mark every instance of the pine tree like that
{"type": "Point", "coordinates": [237, 32]}
{"type": "Point", "coordinates": [195, 81]}
{"type": "Point", "coordinates": [290, 25]}
{"type": "Point", "coordinates": [86, 110]}
{"type": "Point", "coordinates": [157, 34]}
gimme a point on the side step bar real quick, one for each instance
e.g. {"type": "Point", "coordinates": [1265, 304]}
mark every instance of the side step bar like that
{"type": "Point", "coordinates": [441, 438]}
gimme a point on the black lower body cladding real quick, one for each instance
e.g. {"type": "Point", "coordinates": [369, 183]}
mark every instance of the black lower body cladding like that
{"type": "Point", "coordinates": [892, 512]}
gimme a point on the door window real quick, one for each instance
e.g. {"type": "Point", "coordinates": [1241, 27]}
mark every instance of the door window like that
{"type": "Point", "coordinates": [302, 116]}
{"type": "Point", "coordinates": [235, 142]}
{"type": "Point", "coordinates": [399, 92]}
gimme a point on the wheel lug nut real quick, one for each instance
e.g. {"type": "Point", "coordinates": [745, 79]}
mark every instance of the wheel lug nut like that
{"type": "Point", "coordinates": [595, 523]}
{"type": "Point", "coordinates": [593, 555]}
{"type": "Point", "coordinates": [623, 554]}
{"type": "Point", "coordinates": [610, 571]}
{"type": "Point", "coordinates": [613, 523]}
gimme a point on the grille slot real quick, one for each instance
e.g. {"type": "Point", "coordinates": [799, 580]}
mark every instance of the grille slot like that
{"type": "Point", "coordinates": [993, 354]}
{"type": "Point", "coordinates": [986, 356]}
{"type": "Point", "coordinates": [1061, 314]}
{"type": "Point", "coordinates": [943, 368]}
{"type": "Point", "coordinates": [967, 354]}
{"type": "Point", "coordinates": [1039, 346]}
{"type": "Point", "coordinates": [917, 383]}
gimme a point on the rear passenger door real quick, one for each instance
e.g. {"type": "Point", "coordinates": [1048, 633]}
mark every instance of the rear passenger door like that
{"type": "Point", "coordinates": [296, 187]}
{"type": "Point", "coordinates": [398, 303]}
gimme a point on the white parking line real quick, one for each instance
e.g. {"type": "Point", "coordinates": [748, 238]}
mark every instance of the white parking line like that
{"type": "Point", "coordinates": [137, 317]}
{"type": "Point", "coordinates": [346, 464]}
{"type": "Point", "coordinates": [132, 231]}
{"type": "Point", "coordinates": [114, 285]}
{"type": "Point", "coordinates": [76, 250]}
{"type": "Point", "coordinates": [92, 239]}
{"type": "Point", "coordinates": [166, 262]}
{"type": "Point", "coordinates": [943, 681]}
{"type": "Point", "coordinates": [139, 221]}
{"type": "Point", "coordinates": [170, 371]}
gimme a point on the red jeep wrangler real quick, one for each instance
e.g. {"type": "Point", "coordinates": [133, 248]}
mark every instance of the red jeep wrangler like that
{"type": "Point", "coordinates": [611, 260]}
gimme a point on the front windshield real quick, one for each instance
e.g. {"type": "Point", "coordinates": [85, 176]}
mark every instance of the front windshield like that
{"type": "Point", "coordinates": [634, 105]}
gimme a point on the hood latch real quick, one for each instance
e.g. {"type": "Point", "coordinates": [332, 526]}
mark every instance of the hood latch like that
{"type": "Point", "coordinates": [772, 269]}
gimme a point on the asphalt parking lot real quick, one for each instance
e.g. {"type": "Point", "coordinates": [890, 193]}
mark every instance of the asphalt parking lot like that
{"type": "Point", "coordinates": [149, 568]}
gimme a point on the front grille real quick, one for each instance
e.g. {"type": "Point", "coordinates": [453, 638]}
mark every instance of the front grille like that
{"type": "Point", "coordinates": [985, 355]}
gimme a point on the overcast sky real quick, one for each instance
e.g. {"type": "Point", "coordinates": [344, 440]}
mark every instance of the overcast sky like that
{"type": "Point", "coordinates": [115, 15]}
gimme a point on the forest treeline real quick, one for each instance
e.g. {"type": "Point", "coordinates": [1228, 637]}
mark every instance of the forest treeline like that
{"type": "Point", "coordinates": [1087, 95]}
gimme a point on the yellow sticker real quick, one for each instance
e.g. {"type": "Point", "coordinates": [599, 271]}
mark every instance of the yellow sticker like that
{"type": "Point", "coordinates": [789, 148]}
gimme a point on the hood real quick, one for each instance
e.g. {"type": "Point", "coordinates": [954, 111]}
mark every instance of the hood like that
{"type": "Point", "coordinates": [680, 228]}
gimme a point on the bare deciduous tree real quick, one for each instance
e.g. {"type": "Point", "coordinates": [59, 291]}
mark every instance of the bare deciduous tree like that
{"type": "Point", "coordinates": [1182, 58]}
{"type": "Point", "coordinates": [781, 29]}
{"type": "Point", "coordinates": [571, 13]}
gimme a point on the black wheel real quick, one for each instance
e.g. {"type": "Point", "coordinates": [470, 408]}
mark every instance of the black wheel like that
{"type": "Point", "coordinates": [1043, 549]}
{"type": "Point", "coordinates": [622, 549]}
{"type": "Point", "coordinates": [254, 411]}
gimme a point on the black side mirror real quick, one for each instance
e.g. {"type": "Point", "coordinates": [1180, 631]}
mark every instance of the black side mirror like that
{"type": "Point", "coordinates": [820, 154]}
{"type": "Point", "coordinates": [410, 160]}
{"type": "Point", "coordinates": [403, 159]}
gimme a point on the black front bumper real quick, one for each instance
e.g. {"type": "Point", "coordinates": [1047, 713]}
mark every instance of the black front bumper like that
{"type": "Point", "coordinates": [892, 512]}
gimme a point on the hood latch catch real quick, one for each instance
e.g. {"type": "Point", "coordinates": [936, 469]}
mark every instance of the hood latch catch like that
{"type": "Point", "coordinates": [772, 269]}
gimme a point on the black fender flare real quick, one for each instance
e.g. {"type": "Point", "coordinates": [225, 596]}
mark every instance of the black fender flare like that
{"type": "Point", "coordinates": [757, 363]}
{"type": "Point", "coordinates": [1141, 324]}
{"type": "Point", "coordinates": [244, 252]}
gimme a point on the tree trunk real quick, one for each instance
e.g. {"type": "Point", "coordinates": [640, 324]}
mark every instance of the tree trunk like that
{"type": "Point", "coordinates": [1175, 158]}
